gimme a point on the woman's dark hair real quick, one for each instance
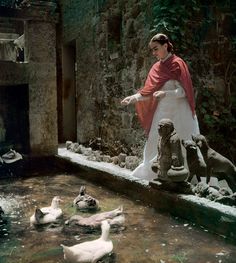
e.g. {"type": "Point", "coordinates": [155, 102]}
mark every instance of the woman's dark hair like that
{"type": "Point", "coordinates": [162, 39]}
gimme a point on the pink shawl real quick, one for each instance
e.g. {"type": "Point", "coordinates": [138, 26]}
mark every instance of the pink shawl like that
{"type": "Point", "coordinates": [174, 68]}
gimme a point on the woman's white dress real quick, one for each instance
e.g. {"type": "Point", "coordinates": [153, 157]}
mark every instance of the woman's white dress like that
{"type": "Point", "coordinates": [173, 106]}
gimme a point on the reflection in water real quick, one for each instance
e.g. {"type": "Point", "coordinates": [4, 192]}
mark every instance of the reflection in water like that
{"type": "Point", "coordinates": [148, 236]}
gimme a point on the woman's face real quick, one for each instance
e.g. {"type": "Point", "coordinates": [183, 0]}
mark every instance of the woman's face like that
{"type": "Point", "coordinates": [159, 51]}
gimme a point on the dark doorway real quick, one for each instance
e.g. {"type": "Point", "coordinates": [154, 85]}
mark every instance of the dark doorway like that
{"type": "Point", "coordinates": [68, 95]}
{"type": "Point", "coordinates": [14, 113]}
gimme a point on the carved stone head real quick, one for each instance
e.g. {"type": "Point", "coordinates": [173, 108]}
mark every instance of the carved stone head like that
{"type": "Point", "coordinates": [165, 127]}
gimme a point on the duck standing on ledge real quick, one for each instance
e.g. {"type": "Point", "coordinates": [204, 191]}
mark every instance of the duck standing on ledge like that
{"type": "Point", "coordinates": [47, 215]}
{"type": "Point", "coordinates": [114, 217]}
{"type": "Point", "coordinates": [84, 201]}
{"type": "Point", "coordinates": [90, 251]}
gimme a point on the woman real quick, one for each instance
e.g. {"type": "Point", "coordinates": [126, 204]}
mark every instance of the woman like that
{"type": "Point", "coordinates": [167, 93]}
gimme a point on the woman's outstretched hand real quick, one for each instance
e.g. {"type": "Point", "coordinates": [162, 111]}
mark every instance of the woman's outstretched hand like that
{"type": "Point", "coordinates": [129, 100]}
{"type": "Point", "coordinates": [159, 94]}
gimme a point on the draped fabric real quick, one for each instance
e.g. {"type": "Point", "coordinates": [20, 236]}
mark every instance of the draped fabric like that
{"type": "Point", "coordinates": [173, 68]}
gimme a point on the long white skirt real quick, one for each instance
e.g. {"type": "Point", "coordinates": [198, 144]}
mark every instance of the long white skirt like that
{"type": "Point", "coordinates": [173, 106]}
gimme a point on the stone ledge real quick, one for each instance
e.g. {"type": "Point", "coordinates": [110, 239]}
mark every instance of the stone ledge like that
{"type": "Point", "coordinates": [217, 218]}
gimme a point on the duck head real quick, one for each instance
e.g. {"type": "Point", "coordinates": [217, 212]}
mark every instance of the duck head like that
{"type": "Point", "coordinates": [56, 202]}
{"type": "Point", "coordinates": [82, 190]}
{"type": "Point", "coordinates": [81, 196]}
{"type": "Point", "coordinates": [74, 219]}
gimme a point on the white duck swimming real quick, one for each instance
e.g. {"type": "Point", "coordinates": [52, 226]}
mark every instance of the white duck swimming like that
{"type": "Point", "coordinates": [90, 251]}
{"type": "Point", "coordinates": [47, 215]}
{"type": "Point", "coordinates": [114, 217]}
{"type": "Point", "coordinates": [84, 201]}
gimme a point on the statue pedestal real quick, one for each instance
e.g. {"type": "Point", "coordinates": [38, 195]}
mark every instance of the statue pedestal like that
{"type": "Point", "coordinates": [176, 187]}
{"type": "Point", "coordinates": [177, 174]}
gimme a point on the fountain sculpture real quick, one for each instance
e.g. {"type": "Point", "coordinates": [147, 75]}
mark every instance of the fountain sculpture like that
{"type": "Point", "coordinates": [172, 174]}
{"type": "Point", "coordinates": [169, 166]}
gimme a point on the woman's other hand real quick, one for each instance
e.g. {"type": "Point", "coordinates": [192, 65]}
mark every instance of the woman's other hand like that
{"type": "Point", "coordinates": [159, 94]}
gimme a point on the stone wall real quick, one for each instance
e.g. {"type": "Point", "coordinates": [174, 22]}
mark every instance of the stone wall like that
{"type": "Point", "coordinates": [113, 60]}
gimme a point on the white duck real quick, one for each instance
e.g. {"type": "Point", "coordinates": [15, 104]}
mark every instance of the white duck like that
{"type": "Point", "coordinates": [114, 217]}
{"type": "Point", "coordinates": [47, 215]}
{"type": "Point", "coordinates": [84, 201]}
{"type": "Point", "coordinates": [90, 251]}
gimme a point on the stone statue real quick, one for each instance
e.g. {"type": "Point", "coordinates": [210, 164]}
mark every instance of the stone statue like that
{"type": "Point", "coordinates": [196, 163]}
{"type": "Point", "coordinates": [169, 165]}
{"type": "Point", "coordinates": [217, 165]}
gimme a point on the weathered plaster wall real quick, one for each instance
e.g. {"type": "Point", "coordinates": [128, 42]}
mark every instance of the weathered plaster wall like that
{"type": "Point", "coordinates": [41, 56]}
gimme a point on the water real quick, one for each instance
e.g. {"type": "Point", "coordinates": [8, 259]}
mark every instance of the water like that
{"type": "Point", "coordinates": [148, 236]}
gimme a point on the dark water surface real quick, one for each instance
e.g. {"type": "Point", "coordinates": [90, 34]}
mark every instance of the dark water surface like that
{"type": "Point", "coordinates": [148, 236]}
